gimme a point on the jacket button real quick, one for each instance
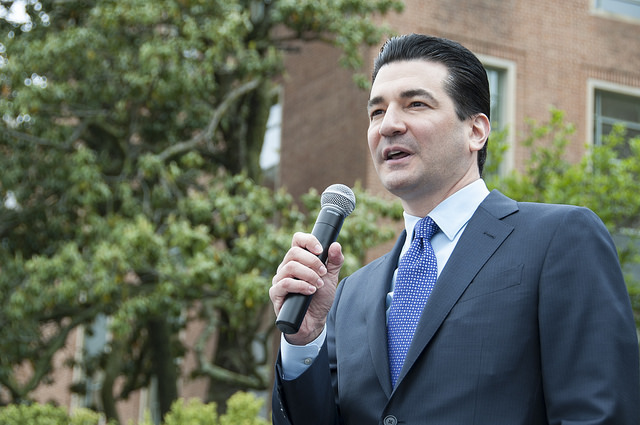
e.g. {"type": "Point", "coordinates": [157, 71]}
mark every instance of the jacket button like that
{"type": "Point", "coordinates": [390, 420]}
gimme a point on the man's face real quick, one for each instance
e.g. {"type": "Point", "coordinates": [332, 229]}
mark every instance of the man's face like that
{"type": "Point", "coordinates": [421, 150]}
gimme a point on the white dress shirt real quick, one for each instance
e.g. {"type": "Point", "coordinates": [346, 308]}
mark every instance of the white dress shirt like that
{"type": "Point", "coordinates": [451, 216]}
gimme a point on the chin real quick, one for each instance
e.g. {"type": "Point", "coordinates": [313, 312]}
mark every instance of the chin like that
{"type": "Point", "coordinates": [397, 186]}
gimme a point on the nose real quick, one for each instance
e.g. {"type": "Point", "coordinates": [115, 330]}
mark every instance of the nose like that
{"type": "Point", "coordinates": [392, 122]}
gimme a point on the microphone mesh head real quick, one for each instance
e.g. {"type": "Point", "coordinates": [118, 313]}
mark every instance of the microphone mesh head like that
{"type": "Point", "coordinates": [339, 196]}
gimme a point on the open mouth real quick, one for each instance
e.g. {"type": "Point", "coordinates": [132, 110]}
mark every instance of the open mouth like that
{"type": "Point", "coordinates": [396, 154]}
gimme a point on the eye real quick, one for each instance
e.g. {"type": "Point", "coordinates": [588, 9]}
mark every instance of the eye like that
{"type": "Point", "coordinates": [376, 112]}
{"type": "Point", "coordinates": [417, 104]}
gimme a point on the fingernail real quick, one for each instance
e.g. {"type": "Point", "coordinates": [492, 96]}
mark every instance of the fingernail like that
{"type": "Point", "coordinates": [312, 289]}
{"type": "Point", "coordinates": [322, 271]}
{"type": "Point", "coordinates": [320, 283]}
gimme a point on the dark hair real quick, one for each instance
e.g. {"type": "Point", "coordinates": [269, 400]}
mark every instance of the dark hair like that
{"type": "Point", "coordinates": [467, 82]}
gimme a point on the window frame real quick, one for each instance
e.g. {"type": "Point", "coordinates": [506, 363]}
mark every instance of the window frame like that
{"type": "Point", "coordinates": [508, 107]}
{"type": "Point", "coordinates": [593, 86]}
{"type": "Point", "coordinates": [606, 11]}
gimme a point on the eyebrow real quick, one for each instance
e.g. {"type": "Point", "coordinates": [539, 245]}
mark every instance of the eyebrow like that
{"type": "Point", "coordinates": [407, 94]}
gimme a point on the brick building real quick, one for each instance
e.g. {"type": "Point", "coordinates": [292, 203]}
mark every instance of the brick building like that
{"type": "Point", "coordinates": [579, 56]}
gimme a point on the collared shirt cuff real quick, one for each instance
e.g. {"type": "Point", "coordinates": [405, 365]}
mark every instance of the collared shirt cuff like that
{"type": "Point", "coordinates": [297, 358]}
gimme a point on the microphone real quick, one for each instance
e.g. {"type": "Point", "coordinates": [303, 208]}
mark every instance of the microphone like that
{"type": "Point", "coordinates": [337, 202]}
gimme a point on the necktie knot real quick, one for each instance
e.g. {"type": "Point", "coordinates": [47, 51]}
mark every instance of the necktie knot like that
{"type": "Point", "coordinates": [425, 228]}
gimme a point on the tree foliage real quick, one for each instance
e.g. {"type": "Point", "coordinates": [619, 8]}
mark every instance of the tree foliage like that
{"type": "Point", "coordinates": [130, 138]}
{"type": "Point", "coordinates": [242, 409]}
{"type": "Point", "coordinates": [604, 180]}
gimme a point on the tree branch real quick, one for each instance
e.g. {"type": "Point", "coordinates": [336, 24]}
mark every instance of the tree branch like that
{"type": "Point", "coordinates": [76, 133]}
{"type": "Point", "coordinates": [211, 370]}
{"type": "Point", "coordinates": [221, 374]}
{"type": "Point", "coordinates": [32, 139]}
{"type": "Point", "coordinates": [213, 123]}
{"type": "Point", "coordinates": [43, 365]}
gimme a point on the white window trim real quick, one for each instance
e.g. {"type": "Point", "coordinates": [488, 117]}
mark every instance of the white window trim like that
{"type": "Point", "coordinates": [592, 86]}
{"type": "Point", "coordinates": [595, 11]}
{"type": "Point", "coordinates": [510, 104]}
{"type": "Point", "coordinates": [77, 374]}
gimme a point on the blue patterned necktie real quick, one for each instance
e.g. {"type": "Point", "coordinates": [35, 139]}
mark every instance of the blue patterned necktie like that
{"type": "Point", "coordinates": [416, 277]}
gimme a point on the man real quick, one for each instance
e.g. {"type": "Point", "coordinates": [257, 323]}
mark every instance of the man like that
{"type": "Point", "coordinates": [529, 320]}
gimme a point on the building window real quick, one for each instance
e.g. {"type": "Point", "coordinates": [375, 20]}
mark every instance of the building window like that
{"type": "Point", "coordinates": [92, 342]}
{"type": "Point", "coordinates": [270, 154]}
{"type": "Point", "coordinates": [628, 8]}
{"type": "Point", "coordinates": [501, 74]}
{"type": "Point", "coordinates": [497, 86]}
{"type": "Point", "coordinates": [615, 108]}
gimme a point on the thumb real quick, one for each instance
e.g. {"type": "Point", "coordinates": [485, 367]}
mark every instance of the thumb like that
{"type": "Point", "coordinates": [335, 258]}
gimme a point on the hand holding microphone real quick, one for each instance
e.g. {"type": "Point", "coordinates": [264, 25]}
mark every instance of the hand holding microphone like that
{"type": "Point", "coordinates": [337, 202]}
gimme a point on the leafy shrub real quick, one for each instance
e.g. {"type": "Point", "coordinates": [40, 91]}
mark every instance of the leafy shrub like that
{"type": "Point", "coordinates": [46, 414]}
{"type": "Point", "coordinates": [242, 409]}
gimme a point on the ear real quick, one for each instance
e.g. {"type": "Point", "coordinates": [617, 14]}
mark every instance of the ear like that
{"type": "Point", "coordinates": [479, 129]}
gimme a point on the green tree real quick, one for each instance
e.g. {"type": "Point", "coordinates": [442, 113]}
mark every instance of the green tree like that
{"type": "Point", "coordinates": [604, 180]}
{"type": "Point", "coordinates": [130, 138]}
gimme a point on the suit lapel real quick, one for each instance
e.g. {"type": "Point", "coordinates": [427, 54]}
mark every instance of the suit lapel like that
{"type": "Point", "coordinates": [376, 317]}
{"type": "Point", "coordinates": [484, 233]}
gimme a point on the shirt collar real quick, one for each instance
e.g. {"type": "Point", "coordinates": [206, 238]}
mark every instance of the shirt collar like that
{"type": "Point", "coordinates": [454, 212]}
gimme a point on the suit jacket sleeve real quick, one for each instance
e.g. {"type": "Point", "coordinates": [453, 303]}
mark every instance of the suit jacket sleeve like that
{"type": "Point", "coordinates": [588, 342]}
{"type": "Point", "coordinates": [311, 398]}
{"type": "Point", "coordinates": [308, 399]}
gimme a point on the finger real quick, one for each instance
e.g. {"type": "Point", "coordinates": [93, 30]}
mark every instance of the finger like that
{"type": "Point", "coordinates": [304, 251]}
{"type": "Point", "coordinates": [281, 288]}
{"type": "Point", "coordinates": [334, 254]}
{"type": "Point", "coordinates": [298, 271]}
{"type": "Point", "coordinates": [307, 241]}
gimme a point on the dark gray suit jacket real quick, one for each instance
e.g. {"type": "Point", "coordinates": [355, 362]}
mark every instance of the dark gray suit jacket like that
{"type": "Point", "coordinates": [529, 323]}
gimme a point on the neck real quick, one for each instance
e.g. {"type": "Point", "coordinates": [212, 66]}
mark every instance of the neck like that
{"type": "Point", "coordinates": [422, 206]}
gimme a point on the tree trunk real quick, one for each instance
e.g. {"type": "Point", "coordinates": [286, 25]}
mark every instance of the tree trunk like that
{"type": "Point", "coordinates": [163, 365]}
{"type": "Point", "coordinates": [111, 371]}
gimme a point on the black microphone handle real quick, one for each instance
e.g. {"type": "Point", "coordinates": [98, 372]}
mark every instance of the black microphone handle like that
{"type": "Point", "coordinates": [326, 229]}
